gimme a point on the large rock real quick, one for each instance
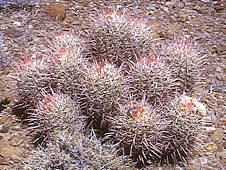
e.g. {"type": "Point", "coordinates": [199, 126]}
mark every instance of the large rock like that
{"type": "Point", "coordinates": [57, 12]}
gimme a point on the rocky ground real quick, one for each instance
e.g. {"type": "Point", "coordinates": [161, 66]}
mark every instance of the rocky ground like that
{"type": "Point", "coordinates": [26, 24]}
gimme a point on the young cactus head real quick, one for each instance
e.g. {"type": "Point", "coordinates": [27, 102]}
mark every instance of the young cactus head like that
{"type": "Point", "coordinates": [68, 150]}
{"type": "Point", "coordinates": [32, 77]}
{"type": "Point", "coordinates": [107, 85]}
{"type": "Point", "coordinates": [69, 40]}
{"type": "Point", "coordinates": [50, 157]}
{"type": "Point", "coordinates": [66, 50]}
{"type": "Point", "coordinates": [68, 63]}
{"type": "Point", "coordinates": [185, 60]}
{"type": "Point", "coordinates": [187, 125]}
{"type": "Point", "coordinates": [191, 105]}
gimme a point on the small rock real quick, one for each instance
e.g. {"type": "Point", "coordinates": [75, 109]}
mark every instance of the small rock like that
{"type": "Point", "coordinates": [183, 18]}
{"type": "Point", "coordinates": [218, 135]}
{"type": "Point", "coordinates": [203, 160]}
{"type": "Point", "coordinates": [205, 0]}
{"type": "Point", "coordinates": [219, 6]}
{"type": "Point", "coordinates": [2, 42]}
{"type": "Point", "coordinates": [221, 49]}
{"type": "Point", "coordinates": [211, 147]}
{"type": "Point", "coordinates": [222, 157]}
{"type": "Point", "coordinates": [4, 129]}
{"type": "Point", "coordinates": [17, 23]}
{"type": "Point", "coordinates": [4, 119]}
{"type": "Point", "coordinates": [16, 127]}
{"type": "Point", "coordinates": [165, 9]}
{"type": "Point", "coordinates": [17, 4]}
{"type": "Point", "coordinates": [13, 33]}
{"type": "Point", "coordinates": [173, 19]}
{"type": "Point", "coordinates": [223, 30]}
{"type": "Point", "coordinates": [219, 97]}
{"type": "Point", "coordinates": [56, 11]}
{"type": "Point", "coordinates": [200, 9]}
{"type": "Point", "coordinates": [3, 161]}
{"type": "Point", "coordinates": [222, 122]}
{"type": "Point", "coordinates": [170, 4]}
{"type": "Point", "coordinates": [85, 3]}
{"type": "Point", "coordinates": [16, 140]}
{"type": "Point", "coordinates": [210, 129]}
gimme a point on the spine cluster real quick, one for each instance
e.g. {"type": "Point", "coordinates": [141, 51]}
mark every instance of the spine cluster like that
{"type": "Point", "coordinates": [117, 78]}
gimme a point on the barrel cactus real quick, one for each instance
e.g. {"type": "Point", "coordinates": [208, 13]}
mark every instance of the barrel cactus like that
{"type": "Point", "coordinates": [151, 77]}
{"type": "Point", "coordinates": [123, 87]}
{"type": "Point", "coordinates": [103, 89]}
{"type": "Point", "coordinates": [185, 60]}
{"type": "Point", "coordinates": [118, 37]}
{"type": "Point", "coordinates": [55, 112]}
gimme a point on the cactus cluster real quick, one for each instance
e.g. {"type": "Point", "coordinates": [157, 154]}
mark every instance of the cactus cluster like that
{"type": "Point", "coordinates": [116, 78]}
{"type": "Point", "coordinates": [155, 137]}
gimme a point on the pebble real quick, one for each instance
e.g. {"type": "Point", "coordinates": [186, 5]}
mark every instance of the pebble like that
{"type": "Point", "coordinates": [222, 122]}
{"type": "Point", "coordinates": [13, 33]}
{"type": "Point", "coordinates": [16, 140]}
{"type": "Point", "coordinates": [17, 23]}
{"type": "Point", "coordinates": [221, 49]}
{"type": "Point", "coordinates": [165, 9]}
{"type": "Point", "coordinates": [219, 6]}
{"type": "Point", "coordinates": [210, 147]}
{"type": "Point", "coordinates": [2, 42]}
{"type": "Point", "coordinates": [4, 119]}
{"type": "Point", "coordinates": [218, 135]}
{"type": "Point", "coordinates": [203, 160]}
{"type": "Point", "coordinates": [222, 156]}
{"type": "Point", "coordinates": [16, 128]}
{"type": "Point", "coordinates": [4, 129]}
{"type": "Point", "coordinates": [205, 0]}
{"type": "Point", "coordinates": [3, 161]}
{"type": "Point", "coordinates": [209, 129]}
